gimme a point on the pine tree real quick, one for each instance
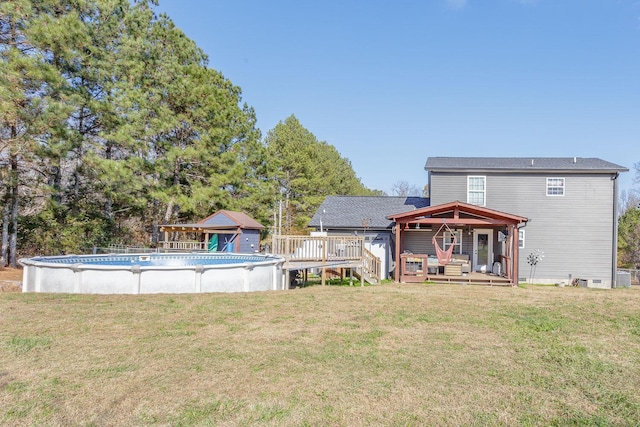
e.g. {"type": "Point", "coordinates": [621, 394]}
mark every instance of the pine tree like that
{"type": "Point", "coordinates": [305, 171]}
{"type": "Point", "coordinates": [32, 111]}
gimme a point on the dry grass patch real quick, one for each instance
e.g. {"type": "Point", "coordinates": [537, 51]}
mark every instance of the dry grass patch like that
{"type": "Point", "coordinates": [380, 355]}
{"type": "Point", "coordinates": [10, 279]}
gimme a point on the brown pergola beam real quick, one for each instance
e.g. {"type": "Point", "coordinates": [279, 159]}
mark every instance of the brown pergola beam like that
{"type": "Point", "coordinates": [457, 221]}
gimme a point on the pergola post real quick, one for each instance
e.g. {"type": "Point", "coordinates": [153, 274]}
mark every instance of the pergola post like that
{"type": "Point", "coordinates": [398, 244]}
{"type": "Point", "coordinates": [516, 256]}
{"type": "Point", "coordinates": [510, 270]}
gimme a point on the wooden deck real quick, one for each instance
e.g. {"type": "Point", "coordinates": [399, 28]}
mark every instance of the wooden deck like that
{"type": "Point", "coordinates": [326, 252]}
{"type": "Point", "coordinates": [470, 279]}
{"type": "Point", "coordinates": [419, 268]}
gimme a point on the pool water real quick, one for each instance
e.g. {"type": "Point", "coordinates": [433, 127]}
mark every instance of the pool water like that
{"type": "Point", "coordinates": [155, 260]}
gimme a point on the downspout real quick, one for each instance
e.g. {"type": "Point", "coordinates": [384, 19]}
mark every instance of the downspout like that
{"type": "Point", "coordinates": [516, 250]}
{"type": "Point", "coordinates": [614, 252]}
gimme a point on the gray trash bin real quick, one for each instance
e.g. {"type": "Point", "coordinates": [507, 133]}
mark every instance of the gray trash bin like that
{"type": "Point", "coordinates": [623, 279]}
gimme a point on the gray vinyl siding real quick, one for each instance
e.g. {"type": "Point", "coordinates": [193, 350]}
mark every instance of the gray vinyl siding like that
{"type": "Point", "coordinates": [575, 231]}
{"type": "Point", "coordinates": [419, 242]}
{"type": "Point", "coordinates": [249, 241]}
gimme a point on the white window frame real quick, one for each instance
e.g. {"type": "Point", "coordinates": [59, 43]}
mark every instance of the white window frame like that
{"type": "Point", "coordinates": [556, 186]}
{"type": "Point", "coordinates": [471, 191]}
{"type": "Point", "coordinates": [447, 238]}
{"type": "Point", "coordinates": [521, 237]}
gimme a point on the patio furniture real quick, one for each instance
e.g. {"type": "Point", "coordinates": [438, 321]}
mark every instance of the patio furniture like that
{"type": "Point", "coordinates": [462, 260]}
{"type": "Point", "coordinates": [414, 267]}
{"type": "Point", "coordinates": [453, 269]}
{"type": "Point", "coordinates": [433, 265]}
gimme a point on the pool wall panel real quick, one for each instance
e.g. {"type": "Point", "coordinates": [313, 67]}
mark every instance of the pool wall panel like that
{"type": "Point", "coordinates": [261, 273]}
{"type": "Point", "coordinates": [108, 282]}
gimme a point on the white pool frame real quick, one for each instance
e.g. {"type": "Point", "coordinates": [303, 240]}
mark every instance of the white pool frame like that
{"type": "Point", "coordinates": [42, 276]}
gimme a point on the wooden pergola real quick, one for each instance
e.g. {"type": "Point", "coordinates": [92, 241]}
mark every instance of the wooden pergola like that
{"type": "Point", "coordinates": [223, 222]}
{"type": "Point", "coordinates": [199, 229]}
{"type": "Point", "coordinates": [459, 214]}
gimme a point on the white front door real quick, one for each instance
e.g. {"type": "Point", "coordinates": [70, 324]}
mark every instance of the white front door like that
{"type": "Point", "coordinates": [482, 250]}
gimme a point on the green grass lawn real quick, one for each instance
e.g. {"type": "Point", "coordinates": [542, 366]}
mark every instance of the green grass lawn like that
{"type": "Point", "coordinates": [339, 356]}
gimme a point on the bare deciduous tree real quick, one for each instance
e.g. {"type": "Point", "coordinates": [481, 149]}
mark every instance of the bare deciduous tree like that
{"type": "Point", "coordinates": [404, 189]}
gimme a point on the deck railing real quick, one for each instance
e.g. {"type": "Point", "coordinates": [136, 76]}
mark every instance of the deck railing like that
{"type": "Point", "coordinates": [372, 266]}
{"type": "Point", "coordinates": [318, 248]}
{"type": "Point", "coordinates": [329, 248]}
{"type": "Point", "coordinates": [185, 246]}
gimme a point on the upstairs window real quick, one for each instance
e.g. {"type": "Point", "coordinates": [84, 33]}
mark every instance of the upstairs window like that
{"type": "Point", "coordinates": [555, 186]}
{"type": "Point", "coordinates": [477, 190]}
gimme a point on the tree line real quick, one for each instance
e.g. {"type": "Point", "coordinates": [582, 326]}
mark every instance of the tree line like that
{"type": "Point", "coordinates": [112, 123]}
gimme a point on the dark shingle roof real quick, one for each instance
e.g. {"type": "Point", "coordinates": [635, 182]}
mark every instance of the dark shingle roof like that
{"type": "Point", "coordinates": [565, 164]}
{"type": "Point", "coordinates": [351, 211]}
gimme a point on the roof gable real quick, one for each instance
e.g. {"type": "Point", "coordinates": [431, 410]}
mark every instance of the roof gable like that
{"type": "Point", "coordinates": [436, 214]}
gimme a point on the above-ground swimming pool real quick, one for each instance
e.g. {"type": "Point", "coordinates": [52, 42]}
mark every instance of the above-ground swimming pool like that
{"type": "Point", "coordinates": [153, 273]}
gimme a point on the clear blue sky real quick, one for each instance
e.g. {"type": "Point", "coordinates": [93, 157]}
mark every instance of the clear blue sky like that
{"type": "Point", "coordinates": [392, 83]}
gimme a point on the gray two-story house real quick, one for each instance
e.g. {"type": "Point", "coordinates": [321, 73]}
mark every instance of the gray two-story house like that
{"type": "Point", "coordinates": [496, 214]}
{"type": "Point", "coordinates": [570, 203]}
